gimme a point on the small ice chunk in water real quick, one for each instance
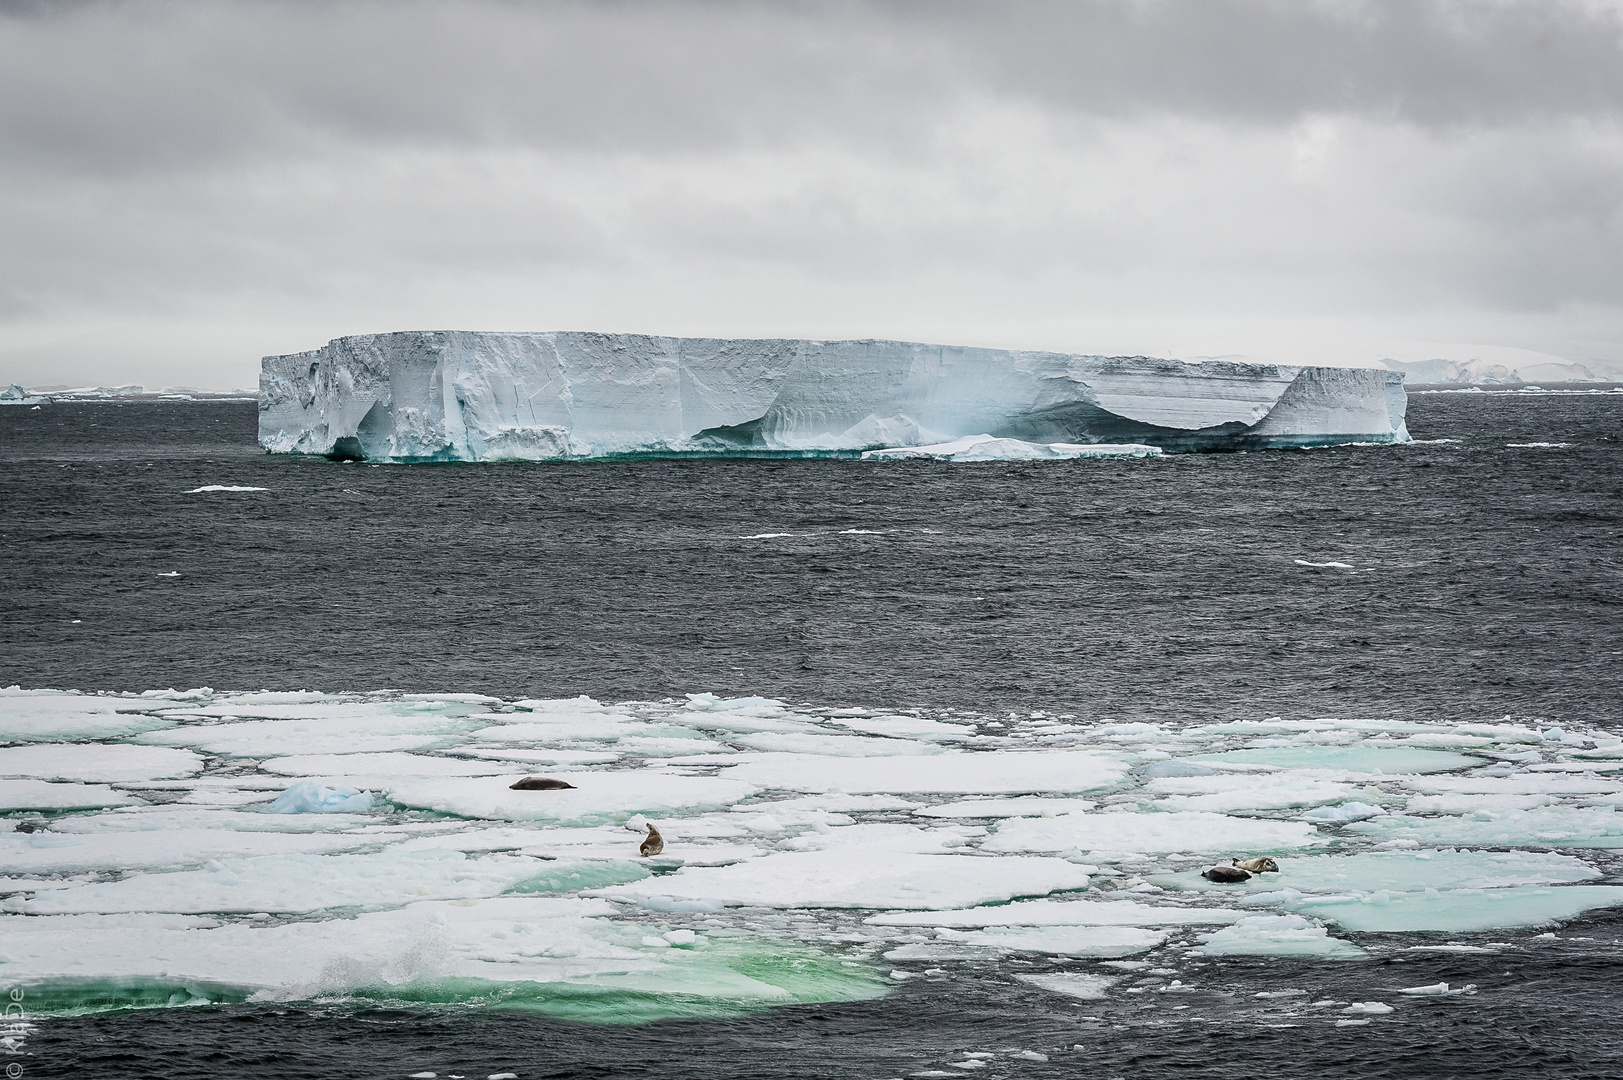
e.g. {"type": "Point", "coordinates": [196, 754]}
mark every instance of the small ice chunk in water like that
{"type": "Point", "coordinates": [1368, 1008]}
{"type": "Point", "coordinates": [1110, 941]}
{"type": "Point", "coordinates": [309, 797]}
{"type": "Point", "coordinates": [1441, 989]}
{"type": "Point", "coordinates": [681, 937]}
{"type": "Point", "coordinates": [1085, 987]}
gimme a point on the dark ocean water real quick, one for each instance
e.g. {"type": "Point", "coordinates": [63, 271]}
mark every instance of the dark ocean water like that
{"type": "Point", "coordinates": [1171, 589]}
{"type": "Point", "coordinates": [1485, 580]}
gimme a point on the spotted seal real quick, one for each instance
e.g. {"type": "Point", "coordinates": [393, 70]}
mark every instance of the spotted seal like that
{"type": "Point", "coordinates": [1262, 864]}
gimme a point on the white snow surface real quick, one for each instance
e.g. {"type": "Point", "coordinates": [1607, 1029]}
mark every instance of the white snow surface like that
{"type": "Point", "coordinates": [143, 842]}
{"type": "Point", "coordinates": [475, 396]}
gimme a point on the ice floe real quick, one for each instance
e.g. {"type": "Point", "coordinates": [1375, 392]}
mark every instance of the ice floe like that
{"type": "Point", "coordinates": [1094, 941]}
{"type": "Point", "coordinates": [1458, 910]}
{"type": "Point", "coordinates": [43, 795]}
{"type": "Point", "coordinates": [322, 735]}
{"type": "Point", "coordinates": [566, 957]}
{"type": "Point", "coordinates": [53, 715]}
{"type": "Point", "coordinates": [108, 763]}
{"type": "Point", "coordinates": [54, 852]}
{"type": "Point", "coordinates": [295, 883]}
{"type": "Point", "coordinates": [1063, 913]}
{"type": "Point", "coordinates": [1026, 806]}
{"type": "Point", "coordinates": [1227, 793]}
{"type": "Point", "coordinates": [597, 796]}
{"type": "Point", "coordinates": [1153, 832]}
{"type": "Point", "coordinates": [1277, 935]}
{"type": "Point", "coordinates": [1372, 871]}
{"type": "Point", "coordinates": [952, 772]}
{"type": "Point", "coordinates": [1363, 759]}
{"type": "Point", "coordinates": [1551, 826]}
{"type": "Point", "coordinates": [852, 878]}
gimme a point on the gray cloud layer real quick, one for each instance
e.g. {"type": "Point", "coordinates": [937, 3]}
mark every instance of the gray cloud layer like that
{"type": "Point", "coordinates": [1061, 173]}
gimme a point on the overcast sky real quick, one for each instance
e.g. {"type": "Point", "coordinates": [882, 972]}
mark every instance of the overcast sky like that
{"type": "Point", "coordinates": [187, 186]}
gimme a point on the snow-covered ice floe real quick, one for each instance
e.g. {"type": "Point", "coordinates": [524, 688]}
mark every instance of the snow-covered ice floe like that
{"type": "Point", "coordinates": [175, 847]}
{"type": "Point", "coordinates": [474, 396]}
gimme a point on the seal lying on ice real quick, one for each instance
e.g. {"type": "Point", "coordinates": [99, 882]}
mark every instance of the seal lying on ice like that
{"type": "Point", "coordinates": [1262, 864]}
{"type": "Point", "coordinates": [1225, 874]}
{"type": "Point", "coordinates": [540, 783]}
{"type": "Point", "coordinates": [653, 844]}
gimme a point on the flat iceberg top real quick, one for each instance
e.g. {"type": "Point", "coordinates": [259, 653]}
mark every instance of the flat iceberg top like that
{"type": "Point", "coordinates": [477, 396]}
{"type": "Point", "coordinates": [288, 847]}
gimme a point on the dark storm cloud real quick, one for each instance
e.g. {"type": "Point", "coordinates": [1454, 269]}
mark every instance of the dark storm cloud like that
{"type": "Point", "coordinates": [125, 85]}
{"type": "Point", "coordinates": [924, 169]}
{"type": "Point", "coordinates": [1426, 61]}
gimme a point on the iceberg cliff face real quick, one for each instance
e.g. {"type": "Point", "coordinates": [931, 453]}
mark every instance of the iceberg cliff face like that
{"type": "Point", "coordinates": [473, 396]}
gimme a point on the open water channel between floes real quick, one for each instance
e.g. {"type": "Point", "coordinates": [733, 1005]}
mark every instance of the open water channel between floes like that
{"type": "Point", "coordinates": [967, 842]}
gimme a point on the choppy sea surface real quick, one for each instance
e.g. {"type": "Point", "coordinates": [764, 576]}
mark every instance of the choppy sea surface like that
{"type": "Point", "coordinates": [938, 753]}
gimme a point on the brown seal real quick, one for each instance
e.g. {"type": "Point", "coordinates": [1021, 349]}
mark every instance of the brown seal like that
{"type": "Point", "coordinates": [1262, 864]}
{"type": "Point", "coordinates": [540, 783]}
{"type": "Point", "coordinates": [1227, 875]}
{"type": "Point", "coordinates": [653, 844]}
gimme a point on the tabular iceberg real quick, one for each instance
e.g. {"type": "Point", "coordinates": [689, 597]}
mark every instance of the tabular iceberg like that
{"type": "Point", "coordinates": [475, 396]}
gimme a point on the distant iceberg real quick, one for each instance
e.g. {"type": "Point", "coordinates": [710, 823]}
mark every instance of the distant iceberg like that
{"type": "Point", "coordinates": [475, 396]}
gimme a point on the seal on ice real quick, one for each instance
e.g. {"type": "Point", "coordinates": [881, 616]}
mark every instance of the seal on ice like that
{"type": "Point", "coordinates": [652, 844]}
{"type": "Point", "coordinates": [540, 783]}
{"type": "Point", "coordinates": [1226, 875]}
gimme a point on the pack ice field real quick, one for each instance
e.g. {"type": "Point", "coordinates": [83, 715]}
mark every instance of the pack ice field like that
{"type": "Point", "coordinates": [176, 848]}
